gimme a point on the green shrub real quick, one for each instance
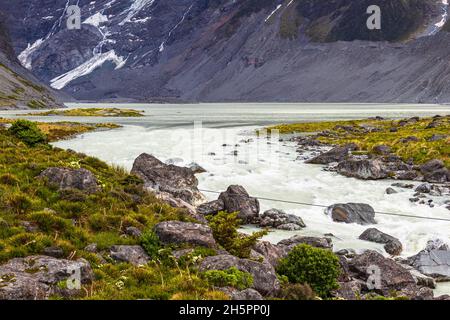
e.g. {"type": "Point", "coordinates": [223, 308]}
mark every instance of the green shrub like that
{"type": "Point", "coordinates": [314, 266]}
{"type": "Point", "coordinates": [28, 132]}
{"type": "Point", "coordinates": [231, 277]}
{"type": "Point", "coordinates": [151, 244]}
{"type": "Point", "coordinates": [224, 227]}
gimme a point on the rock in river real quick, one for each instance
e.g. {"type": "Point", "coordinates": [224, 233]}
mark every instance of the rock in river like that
{"type": "Point", "coordinates": [236, 199]}
{"type": "Point", "coordinates": [366, 169]}
{"type": "Point", "coordinates": [185, 232]}
{"type": "Point", "coordinates": [279, 219]}
{"type": "Point", "coordinates": [433, 261]}
{"type": "Point", "coordinates": [392, 245]}
{"type": "Point", "coordinates": [177, 181]}
{"type": "Point", "coordinates": [336, 154]}
{"type": "Point", "coordinates": [359, 213]}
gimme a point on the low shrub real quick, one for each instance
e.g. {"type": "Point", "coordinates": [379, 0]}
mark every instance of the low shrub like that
{"type": "Point", "coordinates": [231, 277]}
{"type": "Point", "coordinates": [28, 132]}
{"type": "Point", "coordinates": [224, 227]}
{"type": "Point", "coordinates": [316, 267]}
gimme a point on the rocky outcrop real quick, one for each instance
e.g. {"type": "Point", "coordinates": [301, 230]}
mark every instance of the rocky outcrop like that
{"type": "Point", "coordinates": [236, 199]}
{"type": "Point", "coordinates": [433, 261]}
{"type": "Point", "coordinates": [435, 171]}
{"type": "Point", "coordinates": [366, 169]}
{"type": "Point", "coordinates": [279, 219]}
{"type": "Point", "coordinates": [325, 243]}
{"type": "Point", "coordinates": [39, 277]}
{"type": "Point", "coordinates": [211, 208]}
{"type": "Point", "coordinates": [180, 182]}
{"type": "Point", "coordinates": [135, 255]}
{"type": "Point", "coordinates": [177, 232]}
{"type": "Point", "coordinates": [65, 178]}
{"type": "Point", "coordinates": [270, 252]}
{"type": "Point", "coordinates": [336, 154]}
{"type": "Point", "coordinates": [359, 213]}
{"type": "Point", "coordinates": [265, 280]}
{"type": "Point", "coordinates": [243, 295]}
{"type": "Point", "coordinates": [392, 245]}
{"type": "Point", "coordinates": [393, 277]}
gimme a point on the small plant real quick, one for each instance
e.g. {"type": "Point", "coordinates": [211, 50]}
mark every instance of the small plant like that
{"type": "Point", "coordinates": [28, 132]}
{"type": "Point", "coordinates": [224, 227]}
{"type": "Point", "coordinates": [231, 277]}
{"type": "Point", "coordinates": [314, 266]}
{"type": "Point", "coordinates": [151, 244]}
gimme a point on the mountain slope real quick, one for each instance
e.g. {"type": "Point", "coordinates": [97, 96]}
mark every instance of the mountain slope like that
{"type": "Point", "coordinates": [226, 50]}
{"type": "Point", "coordinates": [18, 88]}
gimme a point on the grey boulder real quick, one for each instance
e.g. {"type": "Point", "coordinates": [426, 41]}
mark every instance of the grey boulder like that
{"type": "Point", "coordinates": [236, 199]}
{"type": "Point", "coordinates": [366, 169]}
{"type": "Point", "coordinates": [279, 219]}
{"type": "Point", "coordinates": [177, 232]}
{"type": "Point", "coordinates": [66, 178]}
{"type": "Point", "coordinates": [392, 245]}
{"type": "Point", "coordinates": [135, 255]}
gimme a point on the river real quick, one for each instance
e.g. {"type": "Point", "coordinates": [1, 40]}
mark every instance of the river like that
{"type": "Point", "coordinates": [208, 134]}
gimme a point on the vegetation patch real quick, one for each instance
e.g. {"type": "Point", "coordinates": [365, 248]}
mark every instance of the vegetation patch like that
{"type": "Point", "coordinates": [417, 140]}
{"type": "Point", "coordinates": [91, 112]}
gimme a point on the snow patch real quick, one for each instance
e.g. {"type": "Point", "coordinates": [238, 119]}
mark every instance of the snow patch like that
{"type": "Point", "coordinates": [25, 57]}
{"type": "Point", "coordinates": [87, 68]}
{"type": "Point", "coordinates": [135, 8]}
{"type": "Point", "coordinates": [96, 19]}
{"type": "Point", "coordinates": [273, 12]}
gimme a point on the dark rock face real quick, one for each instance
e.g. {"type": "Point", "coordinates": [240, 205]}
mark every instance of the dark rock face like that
{"type": "Point", "coordinates": [325, 243]}
{"type": "Point", "coordinates": [135, 255]}
{"type": "Point", "coordinates": [435, 171]}
{"type": "Point", "coordinates": [336, 154]}
{"type": "Point", "coordinates": [211, 208]}
{"type": "Point", "coordinates": [265, 280]}
{"type": "Point", "coordinates": [177, 181]}
{"type": "Point", "coordinates": [393, 277]}
{"type": "Point", "coordinates": [185, 232]}
{"type": "Point", "coordinates": [37, 277]}
{"type": "Point", "coordinates": [65, 178]}
{"type": "Point", "coordinates": [433, 261]}
{"type": "Point", "coordinates": [392, 245]}
{"type": "Point", "coordinates": [359, 213]}
{"type": "Point", "coordinates": [236, 199]}
{"type": "Point", "coordinates": [279, 219]}
{"type": "Point", "coordinates": [366, 169]}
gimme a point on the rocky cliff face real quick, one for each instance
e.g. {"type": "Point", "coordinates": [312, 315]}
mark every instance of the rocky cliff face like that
{"type": "Point", "coordinates": [227, 50]}
{"type": "Point", "coordinates": [18, 87]}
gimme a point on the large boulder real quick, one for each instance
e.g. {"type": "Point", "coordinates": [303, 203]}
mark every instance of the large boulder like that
{"type": "Point", "coordinates": [435, 171]}
{"type": "Point", "coordinates": [39, 277]}
{"type": "Point", "coordinates": [393, 277]}
{"type": "Point", "coordinates": [135, 255]}
{"type": "Point", "coordinates": [392, 245]}
{"type": "Point", "coordinates": [359, 213]}
{"type": "Point", "coordinates": [366, 169]}
{"type": "Point", "coordinates": [236, 199]}
{"type": "Point", "coordinates": [433, 261]}
{"type": "Point", "coordinates": [66, 178]}
{"type": "Point", "coordinates": [177, 232]}
{"type": "Point", "coordinates": [265, 279]}
{"type": "Point", "coordinates": [336, 154]}
{"type": "Point", "coordinates": [279, 219]}
{"type": "Point", "coordinates": [318, 242]}
{"type": "Point", "coordinates": [160, 177]}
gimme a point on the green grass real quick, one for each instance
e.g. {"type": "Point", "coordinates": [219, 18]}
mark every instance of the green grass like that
{"type": "Point", "coordinates": [91, 112]}
{"type": "Point", "coordinates": [71, 220]}
{"type": "Point", "coordinates": [418, 151]}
